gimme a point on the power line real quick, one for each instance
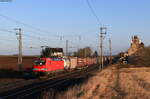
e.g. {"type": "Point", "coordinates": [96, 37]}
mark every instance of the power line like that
{"type": "Point", "coordinates": [41, 34]}
{"type": "Point", "coordinates": [8, 44]}
{"type": "Point", "coordinates": [39, 38]}
{"type": "Point", "coordinates": [26, 25]}
{"type": "Point", "coordinates": [33, 37]}
{"type": "Point", "coordinates": [16, 21]}
{"type": "Point", "coordinates": [32, 27]}
{"type": "Point", "coordinates": [10, 40]}
{"type": "Point", "coordinates": [8, 51]}
{"type": "Point", "coordinates": [93, 12]}
{"type": "Point", "coordinates": [5, 30]}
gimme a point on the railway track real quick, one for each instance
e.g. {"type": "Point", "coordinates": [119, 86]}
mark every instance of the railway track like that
{"type": "Point", "coordinates": [8, 83]}
{"type": "Point", "coordinates": [16, 84]}
{"type": "Point", "coordinates": [22, 82]}
{"type": "Point", "coordinates": [32, 89]}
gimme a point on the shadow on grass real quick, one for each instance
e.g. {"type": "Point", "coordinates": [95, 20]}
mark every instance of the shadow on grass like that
{"type": "Point", "coordinates": [54, 93]}
{"type": "Point", "coordinates": [9, 73]}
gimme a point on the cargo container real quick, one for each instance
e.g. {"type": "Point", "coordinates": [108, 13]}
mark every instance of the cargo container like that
{"type": "Point", "coordinates": [82, 62]}
{"type": "Point", "coordinates": [66, 63]}
{"type": "Point", "coordinates": [73, 62]}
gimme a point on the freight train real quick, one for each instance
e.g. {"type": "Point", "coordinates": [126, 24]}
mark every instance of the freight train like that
{"type": "Point", "coordinates": [46, 66]}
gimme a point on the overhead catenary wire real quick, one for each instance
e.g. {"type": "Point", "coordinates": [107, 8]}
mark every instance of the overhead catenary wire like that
{"type": "Point", "coordinates": [41, 38]}
{"type": "Point", "coordinates": [93, 12]}
{"type": "Point", "coordinates": [27, 43]}
{"type": "Point", "coordinates": [5, 30]}
{"type": "Point", "coordinates": [33, 37]}
{"type": "Point", "coordinates": [19, 22]}
{"type": "Point", "coordinates": [38, 30]}
{"type": "Point", "coordinates": [11, 42]}
{"type": "Point", "coordinates": [102, 33]}
{"type": "Point", "coordinates": [27, 36]}
{"type": "Point", "coordinates": [38, 38]}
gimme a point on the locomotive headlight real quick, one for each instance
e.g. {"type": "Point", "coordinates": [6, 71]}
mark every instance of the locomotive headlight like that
{"type": "Point", "coordinates": [35, 69]}
{"type": "Point", "coordinates": [43, 68]}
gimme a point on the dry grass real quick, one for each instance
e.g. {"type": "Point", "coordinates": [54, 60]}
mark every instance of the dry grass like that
{"type": "Point", "coordinates": [113, 83]}
{"type": "Point", "coordinates": [95, 88]}
{"type": "Point", "coordinates": [136, 83]}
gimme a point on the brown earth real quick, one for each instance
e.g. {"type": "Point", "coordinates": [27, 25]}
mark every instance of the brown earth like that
{"type": "Point", "coordinates": [10, 62]}
{"type": "Point", "coordinates": [9, 68]}
{"type": "Point", "coordinates": [113, 83]}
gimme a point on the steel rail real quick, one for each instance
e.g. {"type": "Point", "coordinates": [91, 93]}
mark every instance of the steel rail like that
{"type": "Point", "coordinates": [14, 84]}
{"type": "Point", "coordinates": [23, 82]}
{"type": "Point", "coordinates": [9, 83]}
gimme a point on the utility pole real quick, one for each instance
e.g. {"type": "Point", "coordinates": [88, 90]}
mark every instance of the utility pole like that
{"type": "Point", "coordinates": [66, 47]}
{"type": "Point", "coordinates": [19, 34]}
{"type": "Point", "coordinates": [110, 52]}
{"type": "Point", "coordinates": [85, 55]}
{"type": "Point", "coordinates": [102, 33]}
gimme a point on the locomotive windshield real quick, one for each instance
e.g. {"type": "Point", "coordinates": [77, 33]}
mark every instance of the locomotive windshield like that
{"type": "Point", "coordinates": [39, 62]}
{"type": "Point", "coordinates": [56, 59]}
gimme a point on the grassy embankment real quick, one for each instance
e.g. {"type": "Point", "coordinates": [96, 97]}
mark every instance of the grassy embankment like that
{"type": "Point", "coordinates": [118, 81]}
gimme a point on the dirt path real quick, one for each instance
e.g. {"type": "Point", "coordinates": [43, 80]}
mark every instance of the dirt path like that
{"type": "Point", "coordinates": [120, 92]}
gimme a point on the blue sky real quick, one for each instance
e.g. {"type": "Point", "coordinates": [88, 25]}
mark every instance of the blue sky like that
{"type": "Point", "coordinates": [73, 19]}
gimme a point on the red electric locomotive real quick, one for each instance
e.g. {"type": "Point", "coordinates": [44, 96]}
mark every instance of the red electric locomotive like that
{"type": "Point", "coordinates": [44, 66]}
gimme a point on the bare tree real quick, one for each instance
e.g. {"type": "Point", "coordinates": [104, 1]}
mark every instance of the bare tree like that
{"type": "Point", "coordinates": [84, 52]}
